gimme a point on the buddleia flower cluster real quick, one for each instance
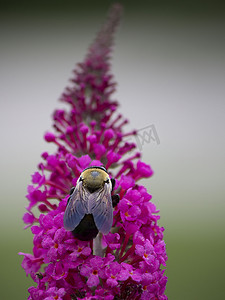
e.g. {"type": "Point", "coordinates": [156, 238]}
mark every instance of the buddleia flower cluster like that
{"type": "Point", "coordinates": [91, 133]}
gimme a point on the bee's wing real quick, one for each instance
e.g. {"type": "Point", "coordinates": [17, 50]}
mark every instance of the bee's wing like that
{"type": "Point", "coordinates": [101, 208]}
{"type": "Point", "coordinates": [76, 207]}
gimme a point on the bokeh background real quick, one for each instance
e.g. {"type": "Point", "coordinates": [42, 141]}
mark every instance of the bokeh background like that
{"type": "Point", "coordinates": [169, 62]}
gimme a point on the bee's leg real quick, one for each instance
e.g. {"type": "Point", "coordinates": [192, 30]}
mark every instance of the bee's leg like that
{"type": "Point", "coordinates": [115, 200]}
{"type": "Point", "coordinates": [71, 192]}
{"type": "Point", "coordinates": [113, 181]}
{"type": "Point", "coordinates": [68, 200]}
{"type": "Point", "coordinates": [72, 189]}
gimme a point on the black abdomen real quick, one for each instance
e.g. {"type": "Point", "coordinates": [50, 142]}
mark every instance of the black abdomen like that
{"type": "Point", "coordinates": [86, 230]}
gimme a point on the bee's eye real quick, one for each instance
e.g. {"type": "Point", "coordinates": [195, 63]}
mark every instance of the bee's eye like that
{"type": "Point", "coordinates": [107, 181]}
{"type": "Point", "coordinates": [81, 178]}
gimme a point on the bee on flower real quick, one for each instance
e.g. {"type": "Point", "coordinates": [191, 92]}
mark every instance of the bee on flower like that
{"type": "Point", "coordinates": [89, 197]}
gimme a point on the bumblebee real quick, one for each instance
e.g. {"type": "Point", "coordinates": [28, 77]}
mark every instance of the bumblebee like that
{"type": "Point", "coordinates": [90, 205]}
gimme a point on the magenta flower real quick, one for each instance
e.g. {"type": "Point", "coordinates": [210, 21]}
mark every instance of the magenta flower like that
{"type": "Point", "coordinates": [129, 260]}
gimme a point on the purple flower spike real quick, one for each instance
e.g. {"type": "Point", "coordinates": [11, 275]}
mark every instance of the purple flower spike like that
{"type": "Point", "coordinates": [132, 255]}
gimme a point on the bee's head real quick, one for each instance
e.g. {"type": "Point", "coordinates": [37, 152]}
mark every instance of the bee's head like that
{"type": "Point", "coordinates": [94, 178]}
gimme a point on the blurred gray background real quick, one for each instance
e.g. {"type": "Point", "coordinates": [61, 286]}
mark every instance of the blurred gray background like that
{"type": "Point", "coordinates": [170, 68]}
